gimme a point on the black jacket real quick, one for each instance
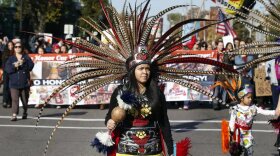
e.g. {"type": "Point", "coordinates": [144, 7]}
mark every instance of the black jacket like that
{"type": "Point", "coordinates": [19, 77]}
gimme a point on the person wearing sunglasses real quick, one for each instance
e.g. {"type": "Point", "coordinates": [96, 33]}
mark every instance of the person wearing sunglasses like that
{"type": "Point", "coordinates": [18, 66]}
{"type": "Point", "coordinates": [203, 46]}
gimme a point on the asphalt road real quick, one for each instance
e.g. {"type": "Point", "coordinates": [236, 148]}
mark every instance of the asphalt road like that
{"type": "Point", "coordinates": [202, 125]}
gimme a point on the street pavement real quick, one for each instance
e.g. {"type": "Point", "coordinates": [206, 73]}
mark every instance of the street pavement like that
{"type": "Point", "coordinates": [201, 124]}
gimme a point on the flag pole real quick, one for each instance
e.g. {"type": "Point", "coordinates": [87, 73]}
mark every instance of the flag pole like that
{"type": "Point", "coordinates": [198, 14]}
{"type": "Point", "coordinates": [204, 23]}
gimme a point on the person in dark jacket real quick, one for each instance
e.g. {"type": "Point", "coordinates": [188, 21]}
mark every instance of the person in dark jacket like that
{"type": "Point", "coordinates": [7, 101]}
{"type": "Point", "coordinates": [18, 66]}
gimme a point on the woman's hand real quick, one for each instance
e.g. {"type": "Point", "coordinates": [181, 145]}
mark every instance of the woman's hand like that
{"type": "Point", "coordinates": [21, 61]}
{"type": "Point", "coordinates": [16, 64]}
{"type": "Point", "coordinates": [277, 112]}
{"type": "Point", "coordinates": [111, 124]}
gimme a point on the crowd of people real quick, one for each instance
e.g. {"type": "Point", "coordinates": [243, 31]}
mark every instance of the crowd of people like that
{"type": "Point", "coordinates": [38, 45]}
{"type": "Point", "coordinates": [238, 61]}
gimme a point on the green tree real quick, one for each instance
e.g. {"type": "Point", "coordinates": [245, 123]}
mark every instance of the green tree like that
{"type": "Point", "coordinates": [174, 18]}
{"type": "Point", "coordinates": [7, 21]}
{"type": "Point", "coordinates": [7, 3]}
{"type": "Point", "coordinates": [40, 13]}
{"type": "Point", "coordinates": [93, 10]}
{"type": "Point", "coordinates": [70, 13]}
{"type": "Point", "coordinates": [273, 31]}
{"type": "Point", "coordinates": [240, 29]}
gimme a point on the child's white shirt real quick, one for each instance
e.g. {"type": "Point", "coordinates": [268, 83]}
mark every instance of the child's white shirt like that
{"type": "Point", "coordinates": [243, 117]}
{"type": "Point", "coordinates": [252, 110]}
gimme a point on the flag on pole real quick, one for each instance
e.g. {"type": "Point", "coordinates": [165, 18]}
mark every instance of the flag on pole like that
{"type": "Point", "coordinates": [187, 28]}
{"type": "Point", "coordinates": [224, 28]}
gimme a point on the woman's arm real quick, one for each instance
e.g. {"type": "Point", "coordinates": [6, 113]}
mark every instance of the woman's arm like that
{"type": "Point", "coordinates": [112, 105]}
{"type": "Point", "coordinates": [165, 125]}
{"type": "Point", "coordinates": [277, 110]}
{"type": "Point", "coordinates": [28, 64]}
{"type": "Point", "coordinates": [9, 66]}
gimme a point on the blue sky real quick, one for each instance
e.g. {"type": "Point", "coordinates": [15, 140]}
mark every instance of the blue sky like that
{"type": "Point", "coordinates": [158, 5]}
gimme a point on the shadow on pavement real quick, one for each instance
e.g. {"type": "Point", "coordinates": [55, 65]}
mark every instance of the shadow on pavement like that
{"type": "Point", "coordinates": [60, 114]}
{"type": "Point", "coordinates": [187, 127]}
{"type": "Point", "coordinates": [193, 105]}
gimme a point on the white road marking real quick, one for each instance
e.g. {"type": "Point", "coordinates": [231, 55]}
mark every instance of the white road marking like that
{"type": "Point", "coordinates": [209, 121]}
{"type": "Point", "coordinates": [53, 118]}
{"type": "Point", "coordinates": [51, 127]}
{"type": "Point", "coordinates": [216, 130]}
{"type": "Point", "coordinates": [104, 128]}
{"type": "Point", "coordinates": [102, 120]}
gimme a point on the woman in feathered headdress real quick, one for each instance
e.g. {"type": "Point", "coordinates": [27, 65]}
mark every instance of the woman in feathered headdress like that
{"type": "Point", "coordinates": [146, 123]}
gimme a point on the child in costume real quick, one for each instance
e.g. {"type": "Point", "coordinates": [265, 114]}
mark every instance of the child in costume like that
{"type": "Point", "coordinates": [241, 121]}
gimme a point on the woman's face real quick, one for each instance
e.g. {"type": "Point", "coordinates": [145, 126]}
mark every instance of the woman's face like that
{"type": "Point", "coordinates": [63, 49]}
{"type": "Point", "coordinates": [203, 47]}
{"type": "Point", "coordinates": [40, 51]}
{"type": "Point", "coordinates": [236, 42]}
{"type": "Point", "coordinates": [242, 44]}
{"type": "Point", "coordinates": [18, 48]}
{"type": "Point", "coordinates": [220, 46]}
{"type": "Point", "coordinates": [209, 47]}
{"type": "Point", "coordinates": [57, 50]}
{"type": "Point", "coordinates": [142, 73]}
{"type": "Point", "coordinates": [229, 47]}
{"type": "Point", "coordinates": [10, 46]}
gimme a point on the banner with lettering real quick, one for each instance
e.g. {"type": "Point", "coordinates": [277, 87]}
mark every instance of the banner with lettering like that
{"type": "Point", "coordinates": [175, 92]}
{"type": "Point", "coordinates": [47, 75]}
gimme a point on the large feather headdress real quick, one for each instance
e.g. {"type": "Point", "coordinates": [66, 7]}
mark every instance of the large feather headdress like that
{"type": "Point", "coordinates": [131, 42]}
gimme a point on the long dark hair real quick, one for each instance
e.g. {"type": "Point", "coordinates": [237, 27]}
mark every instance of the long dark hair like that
{"type": "Point", "coordinates": [152, 89]}
{"type": "Point", "coordinates": [7, 53]}
{"type": "Point", "coordinates": [23, 50]}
